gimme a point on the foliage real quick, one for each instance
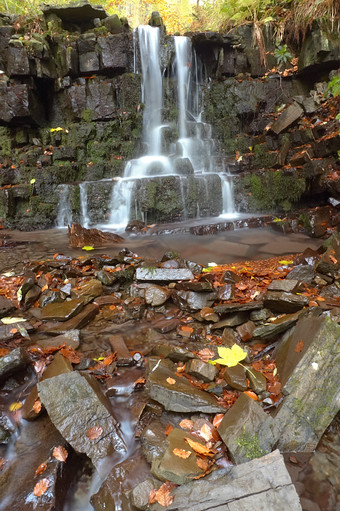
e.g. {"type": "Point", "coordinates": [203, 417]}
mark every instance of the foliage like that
{"type": "Point", "coordinates": [282, 54]}
{"type": "Point", "coordinates": [334, 86]}
{"type": "Point", "coordinates": [230, 357]}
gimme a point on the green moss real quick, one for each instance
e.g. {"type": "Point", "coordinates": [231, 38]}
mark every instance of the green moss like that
{"type": "Point", "coordinates": [250, 445]}
{"type": "Point", "coordinates": [263, 157]}
{"type": "Point", "coordinates": [87, 115]}
{"type": "Point", "coordinates": [271, 191]}
{"type": "Point", "coordinates": [5, 142]}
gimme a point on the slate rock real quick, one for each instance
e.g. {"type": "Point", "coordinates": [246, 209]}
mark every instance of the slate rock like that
{"type": "Point", "coordinates": [236, 377]}
{"type": "Point", "coordinates": [87, 291]}
{"type": "Point", "coordinates": [237, 307]}
{"type": "Point", "coordinates": [32, 296]}
{"type": "Point", "coordinates": [233, 319]}
{"type": "Point", "coordinates": [50, 296]}
{"type": "Point", "coordinates": [75, 404]}
{"type": "Point", "coordinates": [114, 52]}
{"type": "Point", "coordinates": [165, 325]}
{"type": "Point", "coordinates": [225, 292]}
{"type": "Point", "coordinates": [201, 370]}
{"type": "Point", "coordinates": [88, 313]}
{"type": "Point", "coordinates": [228, 337]}
{"type": "Point", "coordinates": [289, 286]}
{"type": "Point", "coordinates": [197, 286]}
{"type": "Point", "coordinates": [174, 353]}
{"type": "Point", "coordinates": [166, 274]}
{"type": "Point", "coordinates": [257, 485]}
{"type": "Point", "coordinates": [124, 358]}
{"type": "Point", "coordinates": [154, 440]}
{"type": "Point", "coordinates": [70, 338]}
{"type": "Point", "coordinates": [156, 295]}
{"type": "Point", "coordinates": [191, 301]}
{"type": "Point", "coordinates": [260, 315]}
{"type": "Point", "coordinates": [6, 306]}
{"type": "Point", "coordinates": [247, 430]}
{"type": "Point", "coordinates": [246, 330]}
{"type": "Point", "coordinates": [7, 428]}
{"type": "Point", "coordinates": [12, 362]}
{"type": "Point", "coordinates": [276, 327]}
{"type": "Point", "coordinates": [179, 396]}
{"type": "Point", "coordinates": [287, 118]}
{"type": "Point", "coordinates": [257, 381]}
{"type": "Point", "coordinates": [284, 302]}
{"type": "Point", "coordinates": [62, 311]}
{"type": "Point", "coordinates": [310, 378]}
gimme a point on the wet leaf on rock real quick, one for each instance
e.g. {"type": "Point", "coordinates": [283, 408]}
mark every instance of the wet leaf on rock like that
{"type": "Point", "coordinates": [205, 354]}
{"type": "Point", "coordinates": [72, 355]}
{"type": "Point", "coordinates": [3, 352]}
{"type": "Point", "coordinates": [42, 467]}
{"type": "Point", "coordinates": [41, 487]}
{"type": "Point", "coordinates": [181, 453]}
{"type": "Point", "coordinates": [60, 453]}
{"type": "Point", "coordinates": [13, 407]}
{"type": "Point", "coordinates": [162, 495]}
{"type": "Point", "coordinates": [203, 463]}
{"type": "Point", "coordinates": [200, 448]}
{"type": "Point", "coordinates": [205, 432]}
{"type": "Point", "coordinates": [230, 357]}
{"type": "Point", "coordinates": [37, 405]}
{"type": "Point", "coordinates": [299, 346]}
{"type": "Point", "coordinates": [94, 433]}
{"type": "Point", "coordinates": [168, 429]}
{"type": "Point", "coordinates": [218, 419]}
{"type": "Point", "coordinates": [171, 381]}
{"type": "Point", "coordinates": [186, 424]}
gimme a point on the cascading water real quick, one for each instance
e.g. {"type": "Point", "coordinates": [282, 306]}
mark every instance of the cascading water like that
{"type": "Point", "coordinates": [189, 161]}
{"type": "Point", "coordinates": [64, 217]}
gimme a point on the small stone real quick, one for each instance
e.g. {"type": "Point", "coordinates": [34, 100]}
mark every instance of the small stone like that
{"type": "Point", "coordinates": [77, 322]}
{"type": "Point", "coordinates": [124, 358]}
{"type": "Point", "coordinates": [236, 377]}
{"type": "Point", "coordinates": [167, 274]}
{"type": "Point", "coordinates": [245, 331]}
{"type": "Point", "coordinates": [32, 295]}
{"type": "Point", "coordinates": [165, 325]}
{"type": "Point", "coordinates": [12, 362]}
{"type": "Point", "coordinates": [276, 327]}
{"type": "Point", "coordinates": [226, 292]}
{"type": "Point", "coordinates": [191, 301]}
{"type": "Point", "coordinates": [260, 315]}
{"type": "Point", "coordinates": [208, 314]}
{"type": "Point", "coordinates": [62, 311]}
{"type": "Point", "coordinates": [228, 337]}
{"type": "Point", "coordinates": [257, 381]}
{"type": "Point", "coordinates": [302, 273]}
{"type": "Point", "coordinates": [156, 295]}
{"type": "Point", "coordinates": [71, 338]}
{"type": "Point", "coordinates": [201, 370]}
{"type": "Point", "coordinates": [288, 286]}
{"type": "Point", "coordinates": [234, 319]}
{"type": "Point", "coordinates": [6, 306]}
{"type": "Point", "coordinates": [87, 291]}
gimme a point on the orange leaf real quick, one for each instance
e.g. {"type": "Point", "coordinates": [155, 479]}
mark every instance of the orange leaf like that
{"type": "Point", "coordinates": [181, 453]}
{"type": "Point", "coordinates": [251, 394]}
{"type": "Point", "coordinates": [186, 328]}
{"type": "Point", "coordinates": [162, 495]}
{"type": "Point", "coordinates": [3, 352]}
{"type": "Point", "coordinates": [44, 288]}
{"type": "Point", "coordinates": [41, 487]}
{"type": "Point", "coordinates": [37, 406]}
{"type": "Point", "coordinates": [72, 355]}
{"type": "Point", "coordinates": [186, 424]}
{"type": "Point", "coordinates": [42, 467]}
{"type": "Point", "coordinates": [299, 346]}
{"type": "Point", "coordinates": [203, 463]}
{"type": "Point", "coordinates": [205, 432]}
{"type": "Point", "coordinates": [94, 433]}
{"type": "Point", "coordinates": [218, 419]}
{"type": "Point", "coordinates": [200, 448]}
{"type": "Point", "coordinates": [206, 354]}
{"type": "Point", "coordinates": [168, 429]}
{"type": "Point", "coordinates": [13, 330]}
{"type": "Point", "coordinates": [171, 381]}
{"type": "Point", "coordinates": [335, 261]}
{"type": "Point", "coordinates": [109, 359]}
{"type": "Point", "coordinates": [60, 453]}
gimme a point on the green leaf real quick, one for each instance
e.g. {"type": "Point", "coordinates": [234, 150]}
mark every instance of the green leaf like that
{"type": "Point", "coordinates": [230, 357]}
{"type": "Point", "coordinates": [32, 181]}
{"type": "Point", "coordinates": [87, 247]}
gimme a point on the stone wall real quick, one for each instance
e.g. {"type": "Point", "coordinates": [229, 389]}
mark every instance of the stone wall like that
{"type": "Point", "coordinates": [71, 111]}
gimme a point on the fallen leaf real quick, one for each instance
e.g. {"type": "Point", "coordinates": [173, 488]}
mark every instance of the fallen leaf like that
{"type": "Point", "coordinates": [3, 352]}
{"type": "Point", "coordinates": [186, 424]}
{"type": "Point", "coordinates": [13, 407]}
{"type": "Point", "coordinates": [251, 394]}
{"type": "Point", "coordinates": [168, 429]}
{"type": "Point", "coordinates": [218, 419]}
{"type": "Point", "coordinates": [60, 453]}
{"type": "Point", "coordinates": [299, 346]}
{"type": "Point", "coordinates": [181, 453]}
{"type": "Point", "coordinates": [94, 433]}
{"type": "Point", "coordinates": [229, 356]}
{"type": "Point", "coordinates": [2, 463]}
{"type": "Point", "coordinates": [200, 448]}
{"type": "Point", "coordinates": [10, 321]}
{"type": "Point", "coordinates": [42, 467]}
{"type": "Point", "coordinates": [335, 261]}
{"type": "Point", "coordinates": [139, 382]}
{"type": "Point", "coordinates": [206, 354]}
{"type": "Point", "coordinates": [72, 355]}
{"type": "Point", "coordinates": [162, 495]}
{"type": "Point", "coordinates": [41, 487]}
{"type": "Point", "coordinates": [109, 359]}
{"type": "Point", "coordinates": [14, 330]}
{"type": "Point", "coordinates": [37, 405]}
{"type": "Point", "coordinates": [87, 248]}
{"type": "Point", "coordinates": [205, 432]}
{"type": "Point", "coordinates": [293, 459]}
{"type": "Point", "coordinates": [203, 463]}
{"type": "Point", "coordinates": [171, 381]}
{"type": "Point", "coordinates": [186, 328]}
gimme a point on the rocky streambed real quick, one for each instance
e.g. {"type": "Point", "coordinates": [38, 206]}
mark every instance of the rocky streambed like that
{"type": "Point", "coordinates": [171, 384]}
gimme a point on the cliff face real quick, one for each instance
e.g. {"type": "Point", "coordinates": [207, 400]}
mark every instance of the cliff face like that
{"type": "Point", "coordinates": [72, 112]}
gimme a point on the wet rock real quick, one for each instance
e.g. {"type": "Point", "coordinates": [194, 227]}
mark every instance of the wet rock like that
{"type": "Point", "coordinates": [257, 381]}
{"type": "Point", "coordinates": [246, 330]}
{"type": "Point", "coordinates": [284, 302]}
{"type": "Point", "coordinates": [174, 468]}
{"type": "Point", "coordinates": [228, 337]}
{"type": "Point", "coordinates": [174, 353]}
{"type": "Point", "coordinates": [124, 358]}
{"type": "Point", "coordinates": [14, 361]}
{"type": "Point", "coordinates": [153, 440]}
{"type": "Point", "coordinates": [247, 430]}
{"type": "Point", "coordinates": [114, 52]}
{"type": "Point", "coordinates": [275, 327]}
{"type": "Point", "coordinates": [302, 273]}
{"type": "Point", "coordinates": [81, 413]}
{"type": "Point", "coordinates": [167, 274]}
{"type": "Point", "coordinates": [237, 307]}
{"type": "Point", "coordinates": [326, 268]}
{"type": "Point", "coordinates": [59, 365]}
{"type": "Point", "coordinates": [51, 297]}
{"type": "Point", "coordinates": [332, 291]}
{"type": "Point", "coordinates": [259, 484]}
{"type": "Point", "coordinates": [6, 306]}
{"type": "Point", "coordinates": [226, 292]}
{"type": "Point", "coordinates": [17, 480]}
{"type": "Point", "coordinates": [165, 325]}
{"type": "Point", "coordinates": [176, 394]}
{"type": "Point", "coordinates": [260, 315]}
{"type": "Point", "coordinates": [196, 286]}
{"type": "Point", "coordinates": [140, 494]}
{"type": "Point", "coordinates": [135, 226]}
{"type": "Point", "coordinates": [77, 322]}
{"type": "Point", "coordinates": [7, 428]}
{"type": "Point", "coordinates": [208, 314]}
{"type": "Point", "coordinates": [156, 295]}
{"type": "Point", "coordinates": [87, 291]}
{"type": "Point", "coordinates": [71, 338]}
{"type": "Point", "coordinates": [308, 362]}
{"type": "Point", "coordinates": [288, 286]}
{"type": "Point", "coordinates": [62, 311]}
{"type": "Point", "coordinates": [287, 118]}
{"type": "Point", "coordinates": [191, 301]}
{"type": "Point", "coordinates": [114, 492]}
{"type": "Point", "coordinates": [231, 277]}
{"type": "Point", "coordinates": [201, 370]}
{"type": "Point", "coordinates": [169, 263]}
{"type": "Point", "coordinates": [122, 382]}
{"type": "Point", "coordinates": [236, 377]}
{"type": "Point", "coordinates": [28, 282]}
{"type": "Point", "coordinates": [233, 319]}
{"type": "Point", "coordinates": [8, 332]}
{"type": "Point", "coordinates": [32, 295]}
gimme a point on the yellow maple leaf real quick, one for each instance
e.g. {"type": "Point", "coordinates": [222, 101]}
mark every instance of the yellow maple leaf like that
{"type": "Point", "coordinates": [229, 356]}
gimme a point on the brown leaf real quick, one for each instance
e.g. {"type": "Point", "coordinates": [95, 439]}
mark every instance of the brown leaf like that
{"type": "Point", "coordinates": [41, 487]}
{"type": "Point", "coordinates": [205, 432]}
{"type": "Point", "coordinates": [60, 453]}
{"type": "Point", "coordinates": [42, 467]}
{"type": "Point", "coordinates": [72, 355]}
{"type": "Point", "coordinates": [293, 459]}
{"type": "Point", "coordinates": [162, 495]}
{"type": "Point", "coordinates": [218, 419]}
{"type": "Point", "coordinates": [200, 448]}
{"type": "Point", "coordinates": [181, 453]}
{"type": "Point", "coordinates": [186, 424]}
{"type": "Point", "coordinates": [139, 382]}
{"type": "Point", "coordinates": [171, 381]}
{"type": "Point", "coordinates": [3, 352]}
{"type": "Point", "coordinates": [94, 433]}
{"type": "Point", "coordinates": [109, 359]}
{"type": "Point", "coordinates": [168, 429]}
{"type": "Point", "coordinates": [37, 405]}
{"type": "Point", "coordinates": [299, 346]}
{"type": "Point", "coordinates": [206, 354]}
{"type": "Point", "coordinates": [203, 463]}
{"type": "Point", "coordinates": [2, 463]}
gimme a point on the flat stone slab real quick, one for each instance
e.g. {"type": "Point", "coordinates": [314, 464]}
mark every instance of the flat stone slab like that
{"type": "Point", "coordinates": [179, 396]}
{"type": "Point", "coordinates": [288, 117]}
{"type": "Point", "coordinates": [260, 484]}
{"type": "Point", "coordinates": [309, 368]}
{"type": "Point", "coordinates": [284, 302]}
{"type": "Point", "coordinates": [192, 301]}
{"type": "Point", "coordinates": [6, 306]}
{"type": "Point", "coordinates": [79, 410]}
{"type": "Point", "coordinates": [237, 307]}
{"type": "Point", "coordinates": [77, 322]}
{"type": "Point", "coordinates": [276, 327]}
{"type": "Point", "coordinates": [62, 311]}
{"type": "Point", "coordinates": [167, 274]}
{"type": "Point", "coordinates": [12, 362]}
{"type": "Point", "coordinates": [247, 430]}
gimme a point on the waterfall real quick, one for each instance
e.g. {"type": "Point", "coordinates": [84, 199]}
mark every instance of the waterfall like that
{"type": "Point", "coordinates": [64, 217]}
{"type": "Point", "coordinates": [83, 204]}
{"type": "Point", "coordinates": [227, 194]}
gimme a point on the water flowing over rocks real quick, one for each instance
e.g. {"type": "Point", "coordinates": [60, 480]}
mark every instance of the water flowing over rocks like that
{"type": "Point", "coordinates": [188, 418]}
